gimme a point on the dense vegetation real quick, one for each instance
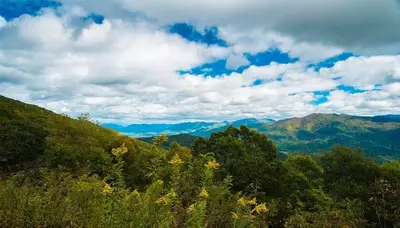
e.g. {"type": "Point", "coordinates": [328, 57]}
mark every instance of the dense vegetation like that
{"type": "Point", "coordinates": [60, 172]}
{"type": "Point", "coordinates": [378, 136]}
{"type": "Point", "coordinates": [183, 139]}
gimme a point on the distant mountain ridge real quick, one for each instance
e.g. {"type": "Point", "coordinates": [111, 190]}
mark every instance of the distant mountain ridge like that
{"type": "Point", "coordinates": [377, 135]}
{"type": "Point", "coordinates": [390, 116]}
{"type": "Point", "coordinates": [193, 128]}
{"type": "Point", "coordinates": [205, 129]}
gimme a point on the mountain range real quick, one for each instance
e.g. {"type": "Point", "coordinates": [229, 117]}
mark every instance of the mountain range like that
{"type": "Point", "coordinates": [194, 128]}
{"type": "Point", "coordinates": [377, 135]}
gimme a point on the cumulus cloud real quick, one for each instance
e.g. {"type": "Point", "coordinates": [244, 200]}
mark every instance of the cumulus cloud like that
{"type": "Point", "coordinates": [381, 102]}
{"type": "Point", "coordinates": [113, 52]}
{"type": "Point", "coordinates": [334, 23]}
{"type": "Point", "coordinates": [235, 61]}
{"type": "Point", "coordinates": [68, 63]}
{"type": "Point", "coordinates": [258, 40]}
{"type": "Point", "coordinates": [393, 89]}
{"type": "Point", "coordinates": [128, 68]}
{"type": "Point", "coordinates": [366, 72]}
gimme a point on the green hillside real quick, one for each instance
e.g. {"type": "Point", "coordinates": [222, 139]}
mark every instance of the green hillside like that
{"type": "Point", "coordinates": [183, 139]}
{"type": "Point", "coordinates": [33, 137]}
{"type": "Point", "coordinates": [56, 171]}
{"type": "Point", "coordinates": [378, 136]}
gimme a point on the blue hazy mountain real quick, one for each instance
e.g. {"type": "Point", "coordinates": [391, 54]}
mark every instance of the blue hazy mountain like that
{"type": "Point", "coordinates": [377, 135]}
{"type": "Point", "coordinates": [193, 128]}
{"type": "Point", "coordinates": [266, 125]}
{"type": "Point", "coordinates": [390, 116]}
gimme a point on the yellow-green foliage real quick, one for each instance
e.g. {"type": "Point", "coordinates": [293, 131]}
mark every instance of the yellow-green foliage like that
{"type": "Point", "coordinates": [59, 198]}
{"type": "Point", "coordinates": [60, 172]}
{"type": "Point", "coordinates": [65, 201]}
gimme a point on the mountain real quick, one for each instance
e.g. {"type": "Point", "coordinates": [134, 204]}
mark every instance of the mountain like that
{"type": "Point", "coordinates": [33, 135]}
{"type": "Point", "coordinates": [30, 133]}
{"type": "Point", "coordinates": [183, 139]}
{"type": "Point", "coordinates": [193, 128]}
{"type": "Point", "coordinates": [390, 116]}
{"type": "Point", "coordinates": [114, 127]}
{"type": "Point", "coordinates": [378, 136]}
{"type": "Point", "coordinates": [252, 122]}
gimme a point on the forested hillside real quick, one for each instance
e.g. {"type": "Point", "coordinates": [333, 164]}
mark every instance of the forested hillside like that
{"type": "Point", "coordinates": [378, 136]}
{"type": "Point", "coordinates": [183, 139]}
{"type": "Point", "coordinates": [61, 172]}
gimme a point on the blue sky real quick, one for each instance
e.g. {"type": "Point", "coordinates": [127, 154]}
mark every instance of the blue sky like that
{"type": "Point", "coordinates": [158, 62]}
{"type": "Point", "coordinates": [10, 9]}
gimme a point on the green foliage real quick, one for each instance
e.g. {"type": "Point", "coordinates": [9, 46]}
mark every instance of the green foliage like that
{"type": "Point", "coordinates": [347, 173]}
{"type": "Point", "coordinates": [160, 140]}
{"type": "Point", "coordinates": [85, 116]}
{"type": "Point", "coordinates": [301, 185]}
{"type": "Point", "coordinates": [60, 172]}
{"type": "Point", "coordinates": [64, 201]}
{"type": "Point", "coordinates": [378, 136]}
{"type": "Point", "coordinates": [183, 139]}
{"type": "Point", "coordinates": [316, 132]}
{"type": "Point", "coordinates": [384, 199]}
{"type": "Point", "coordinates": [245, 154]}
{"type": "Point", "coordinates": [330, 219]}
{"type": "Point", "coordinates": [21, 141]}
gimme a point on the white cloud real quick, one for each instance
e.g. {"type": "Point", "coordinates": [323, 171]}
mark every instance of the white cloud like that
{"type": "Point", "coordinates": [376, 102]}
{"type": "Point", "coordinates": [393, 88]}
{"type": "Point", "coordinates": [235, 61]}
{"type": "Point", "coordinates": [95, 34]}
{"type": "Point", "coordinates": [3, 22]}
{"type": "Point", "coordinates": [366, 72]}
{"type": "Point", "coordinates": [259, 40]}
{"type": "Point", "coordinates": [46, 30]}
{"type": "Point", "coordinates": [338, 23]}
{"type": "Point", "coordinates": [113, 52]}
{"type": "Point", "coordinates": [127, 69]}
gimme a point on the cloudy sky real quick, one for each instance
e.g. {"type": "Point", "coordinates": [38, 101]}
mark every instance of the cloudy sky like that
{"type": "Point", "coordinates": [130, 61]}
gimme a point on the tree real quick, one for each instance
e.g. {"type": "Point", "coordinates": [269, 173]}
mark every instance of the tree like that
{"type": "Point", "coordinates": [86, 117]}
{"type": "Point", "coordinates": [302, 184]}
{"type": "Point", "coordinates": [347, 173]}
{"type": "Point", "coordinates": [384, 201]}
{"type": "Point", "coordinates": [245, 154]}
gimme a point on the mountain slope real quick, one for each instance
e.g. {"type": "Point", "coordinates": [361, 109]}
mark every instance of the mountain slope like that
{"type": "Point", "coordinates": [183, 139]}
{"type": "Point", "coordinates": [393, 117]}
{"type": "Point", "coordinates": [33, 135]}
{"type": "Point", "coordinates": [377, 136]}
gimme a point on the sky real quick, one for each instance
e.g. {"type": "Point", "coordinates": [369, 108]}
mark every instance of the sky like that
{"type": "Point", "coordinates": [130, 61]}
